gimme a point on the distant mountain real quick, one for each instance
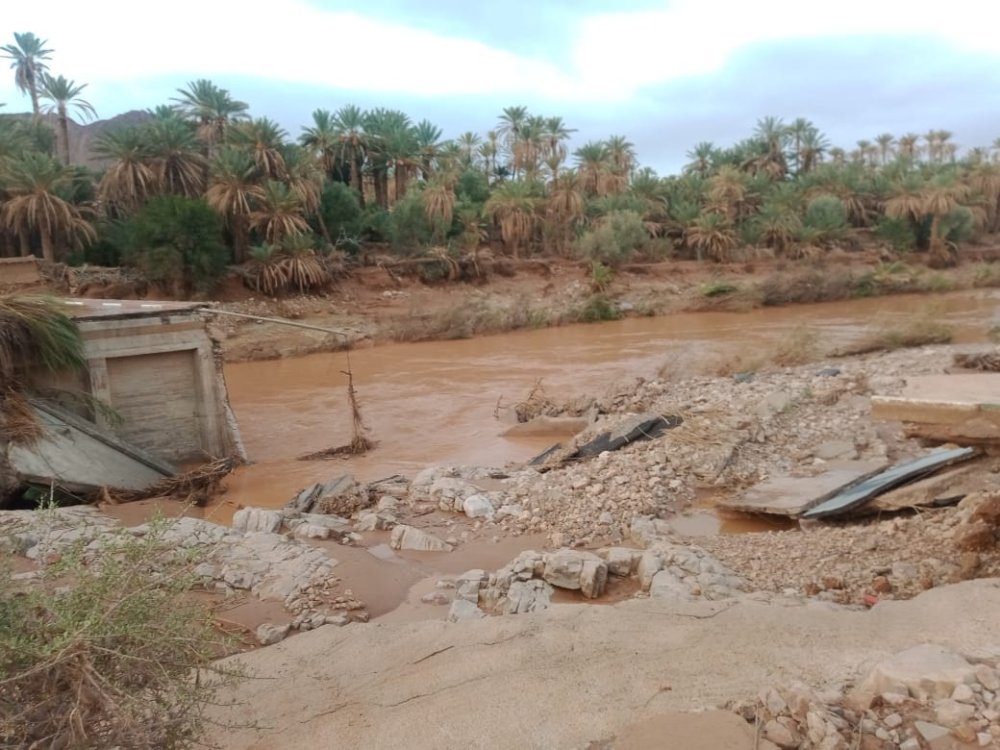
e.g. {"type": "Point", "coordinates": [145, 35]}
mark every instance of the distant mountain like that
{"type": "Point", "coordinates": [81, 137]}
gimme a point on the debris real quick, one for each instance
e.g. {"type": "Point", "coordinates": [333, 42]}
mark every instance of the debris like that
{"type": "Point", "coordinates": [946, 488]}
{"type": "Point", "coordinates": [901, 473]}
{"type": "Point", "coordinates": [792, 496]}
{"type": "Point", "coordinates": [641, 427]}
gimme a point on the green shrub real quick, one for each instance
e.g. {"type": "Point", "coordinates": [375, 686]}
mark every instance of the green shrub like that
{"type": "Point", "coordinates": [616, 239]}
{"type": "Point", "coordinates": [472, 187]}
{"type": "Point", "coordinates": [107, 653]}
{"type": "Point", "coordinates": [898, 233]}
{"type": "Point", "coordinates": [597, 309]}
{"type": "Point", "coordinates": [176, 242]}
{"type": "Point", "coordinates": [718, 288]}
{"type": "Point", "coordinates": [959, 225]}
{"type": "Point", "coordinates": [408, 229]}
{"type": "Point", "coordinates": [342, 215]}
{"type": "Point", "coordinates": [827, 214]}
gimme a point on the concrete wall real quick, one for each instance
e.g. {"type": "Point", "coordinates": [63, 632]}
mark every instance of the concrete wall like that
{"type": "Point", "coordinates": [158, 373]}
{"type": "Point", "coordinates": [18, 271]}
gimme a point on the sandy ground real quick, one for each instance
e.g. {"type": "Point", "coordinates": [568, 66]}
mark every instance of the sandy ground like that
{"type": "Point", "coordinates": [575, 676]}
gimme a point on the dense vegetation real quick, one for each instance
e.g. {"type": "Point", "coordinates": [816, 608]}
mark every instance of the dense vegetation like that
{"type": "Point", "coordinates": [203, 184]}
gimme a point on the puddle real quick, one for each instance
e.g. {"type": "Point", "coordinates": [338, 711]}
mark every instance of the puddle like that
{"type": "Point", "coordinates": [706, 523]}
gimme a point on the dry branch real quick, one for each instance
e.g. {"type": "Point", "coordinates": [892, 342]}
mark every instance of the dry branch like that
{"type": "Point", "coordinates": [196, 486]}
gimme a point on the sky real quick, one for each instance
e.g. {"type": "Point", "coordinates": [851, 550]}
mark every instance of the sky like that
{"type": "Point", "coordinates": [664, 73]}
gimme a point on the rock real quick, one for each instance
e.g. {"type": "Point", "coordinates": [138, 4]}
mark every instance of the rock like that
{"type": "Point", "coordinates": [650, 564]}
{"type": "Point", "coordinates": [781, 735]}
{"type": "Point", "coordinates": [575, 570]}
{"type": "Point", "coordinates": [464, 610]}
{"type": "Point", "coordinates": [338, 620]}
{"type": "Point", "coordinates": [526, 596]}
{"type": "Point", "coordinates": [892, 720]}
{"type": "Point", "coordinates": [621, 561]}
{"type": "Point", "coordinates": [437, 598]}
{"type": "Point", "coordinates": [977, 537]}
{"type": "Point", "coordinates": [828, 372]}
{"type": "Point", "coordinates": [930, 732]}
{"type": "Point", "coordinates": [387, 502]}
{"type": "Point", "coordinates": [744, 377]}
{"type": "Point", "coordinates": [666, 584]}
{"type": "Point", "coordinates": [410, 537]}
{"type": "Point", "coordinates": [513, 510]}
{"type": "Point", "coordinates": [984, 739]}
{"type": "Point", "coordinates": [987, 677]}
{"type": "Point", "coordinates": [478, 506]}
{"type": "Point", "coordinates": [369, 521]}
{"type": "Point", "coordinates": [268, 634]}
{"type": "Point", "coordinates": [925, 671]}
{"type": "Point", "coordinates": [904, 571]}
{"type": "Point", "coordinates": [910, 744]}
{"type": "Point", "coordinates": [963, 694]}
{"type": "Point", "coordinates": [343, 497]}
{"type": "Point", "coordinates": [468, 584]}
{"type": "Point", "coordinates": [257, 519]}
{"type": "Point", "coordinates": [311, 531]}
{"type": "Point", "coordinates": [952, 714]}
{"type": "Point", "coordinates": [834, 449]}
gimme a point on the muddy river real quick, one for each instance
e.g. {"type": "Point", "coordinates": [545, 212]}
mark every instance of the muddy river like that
{"type": "Point", "coordinates": [435, 403]}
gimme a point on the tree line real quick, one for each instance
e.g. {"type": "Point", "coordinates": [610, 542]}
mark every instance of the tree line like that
{"type": "Point", "coordinates": [202, 184]}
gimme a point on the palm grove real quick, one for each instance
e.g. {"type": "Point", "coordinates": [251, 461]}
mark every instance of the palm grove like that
{"type": "Point", "coordinates": [202, 184]}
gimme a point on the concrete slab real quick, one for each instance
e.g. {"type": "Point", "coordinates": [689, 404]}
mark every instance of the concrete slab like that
{"type": "Point", "coordinates": [19, 271]}
{"type": "Point", "coordinates": [961, 408]}
{"type": "Point", "coordinates": [78, 456]}
{"type": "Point", "coordinates": [792, 496]}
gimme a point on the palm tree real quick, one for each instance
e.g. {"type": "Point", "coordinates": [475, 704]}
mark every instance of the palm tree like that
{"type": "Point", "coordinates": [322, 139]}
{"type": "Point", "coordinates": [428, 143]}
{"type": "Point", "coordinates": [392, 144]}
{"type": "Point", "coordinates": [34, 331]}
{"type": "Point", "coordinates": [727, 191]}
{"type": "Point", "coordinates": [777, 225]}
{"type": "Point", "coordinates": [811, 150]}
{"type": "Point", "coordinates": [278, 213]}
{"type": "Point", "coordinates": [509, 126]}
{"type": "Point", "coordinates": [711, 235]}
{"type": "Point", "coordinates": [701, 157]}
{"type": "Point", "coordinates": [885, 142]}
{"type": "Point", "coordinates": [212, 108]}
{"type": "Point", "coordinates": [28, 55]}
{"type": "Point", "coordinates": [128, 181]}
{"type": "Point", "coordinates": [35, 184]}
{"type": "Point", "coordinates": [940, 198]}
{"type": "Point", "coordinates": [232, 192]}
{"type": "Point", "coordinates": [305, 179]}
{"type": "Point", "coordinates": [64, 94]}
{"type": "Point", "coordinates": [931, 138]}
{"type": "Point", "coordinates": [907, 146]}
{"type": "Point", "coordinates": [797, 133]}
{"type": "Point", "coordinates": [773, 134]}
{"type": "Point", "coordinates": [621, 155]}
{"type": "Point", "coordinates": [592, 166]}
{"type": "Point", "coordinates": [439, 205]}
{"type": "Point", "coordinates": [512, 206]}
{"type": "Point", "coordinates": [174, 157]}
{"type": "Point", "coordinates": [351, 123]}
{"type": "Point", "coordinates": [263, 139]}
{"type": "Point", "coordinates": [468, 143]}
{"type": "Point", "coordinates": [564, 208]}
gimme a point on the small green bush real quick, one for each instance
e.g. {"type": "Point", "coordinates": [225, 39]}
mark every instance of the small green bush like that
{"type": "Point", "coordinates": [107, 652]}
{"type": "Point", "coordinates": [827, 214]}
{"type": "Point", "coordinates": [898, 233]}
{"type": "Point", "coordinates": [408, 229]}
{"type": "Point", "coordinates": [342, 215]}
{"type": "Point", "coordinates": [596, 309]}
{"type": "Point", "coordinates": [959, 225]}
{"type": "Point", "coordinates": [616, 239]}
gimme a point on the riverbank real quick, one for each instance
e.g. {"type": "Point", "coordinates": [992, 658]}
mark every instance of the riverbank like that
{"type": "Point", "coordinates": [371, 307]}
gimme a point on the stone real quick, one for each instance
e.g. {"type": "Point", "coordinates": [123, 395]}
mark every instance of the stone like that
{"type": "Point", "coordinates": [569, 569]}
{"type": "Point", "coordinates": [666, 584]}
{"type": "Point", "coordinates": [833, 449]}
{"type": "Point", "coordinates": [527, 596]}
{"type": "Point", "coordinates": [952, 714]}
{"type": "Point", "coordinates": [468, 584]}
{"type": "Point", "coordinates": [910, 744]}
{"type": "Point", "coordinates": [781, 735]}
{"type": "Point", "coordinates": [976, 537]}
{"type": "Point", "coordinates": [892, 720]}
{"type": "Point", "coordinates": [828, 372]}
{"type": "Point", "coordinates": [593, 578]}
{"type": "Point", "coordinates": [963, 694]}
{"type": "Point", "coordinates": [436, 598]}
{"type": "Point", "coordinates": [987, 677]}
{"type": "Point", "coordinates": [311, 531]}
{"type": "Point", "coordinates": [478, 506]}
{"type": "Point", "coordinates": [650, 564]}
{"type": "Point", "coordinates": [257, 519]}
{"type": "Point", "coordinates": [904, 571]}
{"type": "Point", "coordinates": [338, 620]}
{"type": "Point", "coordinates": [512, 510]}
{"type": "Point", "coordinates": [930, 732]}
{"type": "Point", "coordinates": [269, 634]}
{"type": "Point", "coordinates": [984, 739]}
{"type": "Point", "coordinates": [369, 521]}
{"type": "Point", "coordinates": [387, 502]}
{"type": "Point", "coordinates": [462, 610]}
{"type": "Point", "coordinates": [410, 537]}
{"type": "Point", "coordinates": [926, 671]}
{"type": "Point", "coordinates": [621, 560]}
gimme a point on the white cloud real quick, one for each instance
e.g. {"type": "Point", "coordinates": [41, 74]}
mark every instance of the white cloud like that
{"type": "Point", "coordinates": [117, 45]}
{"type": "Point", "coordinates": [618, 53]}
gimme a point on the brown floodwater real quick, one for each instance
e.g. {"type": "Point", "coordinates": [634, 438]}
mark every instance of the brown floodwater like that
{"type": "Point", "coordinates": [434, 403]}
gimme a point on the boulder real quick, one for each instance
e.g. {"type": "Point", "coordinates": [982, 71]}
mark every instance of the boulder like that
{"type": "Point", "coordinates": [269, 634]}
{"type": "Point", "coordinates": [410, 537]}
{"type": "Point", "coordinates": [925, 672]}
{"type": "Point", "coordinates": [575, 570]}
{"type": "Point", "coordinates": [464, 610]}
{"type": "Point", "coordinates": [311, 531]}
{"type": "Point", "coordinates": [621, 561]}
{"type": "Point", "coordinates": [478, 506]}
{"type": "Point", "coordinates": [468, 584]}
{"type": "Point", "coordinates": [257, 519]}
{"type": "Point", "coordinates": [342, 496]}
{"type": "Point", "coordinates": [526, 596]}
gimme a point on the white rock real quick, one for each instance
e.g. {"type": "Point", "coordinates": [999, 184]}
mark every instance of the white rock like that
{"type": "Point", "coordinates": [963, 694]}
{"type": "Point", "coordinates": [892, 720]}
{"type": "Point", "coordinates": [572, 569]}
{"type": "Point", "coordinates": [410, 537]}
{"type": "Point", "coordinates": [649, 565]}
{"type": "Point", "coordinates": [952, 713]}
{"type": "Point", "coordinates": [622, 561]}
{"type": "Point", "coordinates": [268, 634]}
{"type": "Point", "coordinates": [931, 732]}
{"type": "Point", "coordinates": [984, 739]}
{"type": "Point", "coordinates": [464, 610]}
{"type": "Point", "coordinates": [478, 506]}
{"type": "Point", "coordinates": [311, 531]}
{"type": "Point", "coordinates": [436, 598]}
{"type": "Point", "coordinates": [257, 519]}
{"type": "Point", "coordinates": [910, 744]}
{"type": "Point", "coordinates": [926, 671]}
{"type": "Point", "coordinates": [987, 677]}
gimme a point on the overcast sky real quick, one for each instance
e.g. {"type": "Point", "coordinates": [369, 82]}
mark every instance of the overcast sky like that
{"type": "Point", "coordinates": [666, 74]}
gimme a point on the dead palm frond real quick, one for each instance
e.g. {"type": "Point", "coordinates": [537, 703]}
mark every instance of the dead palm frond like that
{"type": "Point", "coordinates": [35, 330]}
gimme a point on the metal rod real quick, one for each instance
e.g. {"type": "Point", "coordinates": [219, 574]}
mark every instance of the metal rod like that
{"type": "Point", "coordinates": [280, 321]}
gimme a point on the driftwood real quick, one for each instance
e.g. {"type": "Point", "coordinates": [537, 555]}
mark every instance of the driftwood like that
{"type": "Point", "coordinates": [196, 486]}
{"type": "Point", "coordinates": [360, 443]}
